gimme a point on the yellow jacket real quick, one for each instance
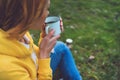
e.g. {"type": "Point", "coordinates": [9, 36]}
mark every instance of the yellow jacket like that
{"type": "Point", "coordinates": [16, 62]}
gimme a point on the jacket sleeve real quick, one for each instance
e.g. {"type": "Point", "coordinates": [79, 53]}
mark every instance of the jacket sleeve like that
{"type": "Point", "coordinates": [44, 70]}
{"type": "Point", "coordinates": [10, 69]}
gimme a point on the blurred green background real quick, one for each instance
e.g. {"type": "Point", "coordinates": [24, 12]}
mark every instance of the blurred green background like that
{"type": "Point", "coordinates": [94, 26]}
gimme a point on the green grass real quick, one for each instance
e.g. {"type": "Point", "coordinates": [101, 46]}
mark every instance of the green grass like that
{"type": "Point", "coordinates": [94, 26]}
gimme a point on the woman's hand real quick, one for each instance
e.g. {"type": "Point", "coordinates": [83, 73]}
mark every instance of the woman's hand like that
{"type": "Point", "coordinates": [47, 44]}
{"type": "Point", "coordinates": [48, 41]}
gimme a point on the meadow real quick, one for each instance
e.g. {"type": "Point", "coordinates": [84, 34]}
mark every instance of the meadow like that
{"type": "Point", "coordinates": [94, 26]}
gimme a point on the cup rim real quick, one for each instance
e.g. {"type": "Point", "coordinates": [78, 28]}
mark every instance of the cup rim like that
{"type": "Point", "coordinates": [52, 17]}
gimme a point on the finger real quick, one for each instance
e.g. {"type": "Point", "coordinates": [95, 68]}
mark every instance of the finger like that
{"type": "Point", "coordinates": [52, 45]}
{"type": "Point", "coordinates": [52, 41]}
{"type": "Point", "coordinates": [61, 24]}
{"type": "Point", "coordinates": [44, 42]}
{"type": "Point", "coordinates": [50, 34]}
{"type": "Point", "coordinates": [47, 38]}
{"type": "Point", "coordinates": [55, 38]}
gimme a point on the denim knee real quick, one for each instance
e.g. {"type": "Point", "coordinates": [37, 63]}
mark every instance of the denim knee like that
{"type": "Point", "coordinates": [60, 47]}
{"type": "Point", "coordinates": [60, 44]}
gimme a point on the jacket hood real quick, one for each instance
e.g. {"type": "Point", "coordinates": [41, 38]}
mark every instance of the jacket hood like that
{"type": "Point", "coordinates": [11, 46]}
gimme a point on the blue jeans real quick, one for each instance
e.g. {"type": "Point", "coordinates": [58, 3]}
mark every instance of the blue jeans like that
{"type": "Point", "coordinates": [63, 59]}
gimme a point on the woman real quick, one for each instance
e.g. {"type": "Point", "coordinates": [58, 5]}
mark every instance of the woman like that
{"type": "Point", "coordinates": [18, 60]}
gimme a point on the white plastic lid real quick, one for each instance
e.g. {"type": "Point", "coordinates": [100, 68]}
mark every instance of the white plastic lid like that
{"type": "Point", "coordinates": [69, 40]}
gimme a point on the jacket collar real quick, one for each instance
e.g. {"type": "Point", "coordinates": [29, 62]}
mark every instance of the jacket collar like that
{"type": "Point", "coordinates": [11, 46]}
